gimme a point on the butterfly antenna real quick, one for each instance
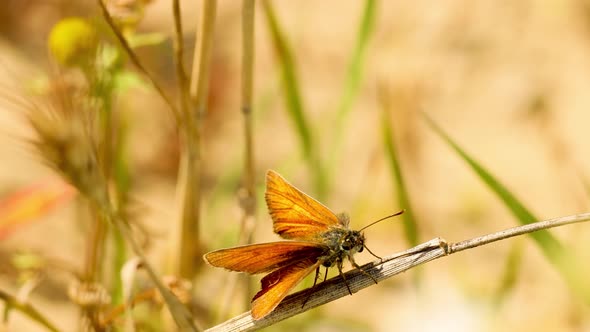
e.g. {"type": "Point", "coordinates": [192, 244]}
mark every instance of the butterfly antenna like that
{"type": "Point", "coordinates": [391, 216]}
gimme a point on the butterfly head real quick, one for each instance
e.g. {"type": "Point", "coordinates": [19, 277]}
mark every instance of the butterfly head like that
{"type": "Point", "coordinates": [353, 242]}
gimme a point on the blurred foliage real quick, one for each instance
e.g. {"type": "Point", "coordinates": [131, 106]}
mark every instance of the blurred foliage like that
{"type": "Point", "coordinates": [294, 102]}
{"type": "Point", "coordinates": [396, 174]}
{"type": "Point", "coordinates": [88, 127]}
{"type": "Point", "coordinates": [554, 251]}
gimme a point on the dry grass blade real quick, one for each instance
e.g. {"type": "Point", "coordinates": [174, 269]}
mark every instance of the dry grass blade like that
{"type": "Point", "coordinates": [249, 201]}
{"type": "Point", "coordinates": [181, 76]}
{"type": "Point", "coordinates": [25, 308]}
{"type": "Point", "coordinates": [179, 312]}
{"type": "Point", "coordinates": [248, 193]}
{"type": "Point", "coordinates": [189, 180]}
{"type": "Point", "coordinates": [390, 266]}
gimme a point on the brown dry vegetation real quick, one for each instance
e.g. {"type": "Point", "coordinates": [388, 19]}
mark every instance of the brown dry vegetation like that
{"type": "Point", "coordinates": [508, 80]}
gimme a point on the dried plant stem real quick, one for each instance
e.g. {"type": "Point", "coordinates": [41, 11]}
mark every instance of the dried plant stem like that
{"type": "Point", "coordinates": [192, 160]}
{"type": "Point", "coordinates": [94, 251]}
{"type": "Point", "coordinates": [144, 296]}
{"type": "Point", "coordinates": [248, 195]}
{"type": "Point", "coordinates": [94, 254]}
{"type": "Point", "coordinates": [249, 200]}
{"type": "Point", "coordinates": [181, 76]}
{"type": "Point", "coordinates": [180, 313]}
{"type": "Point", "coordinates": [516, 231]}
{"type": "Point", "coordinates": [188, 232]}
{"type": "Point", "coordinates": [390, 266]}
{"type": "Point", "coordinates": [135, 59]}
{"type": "Point", "coordinates": [13, 303]}
{"type": "Point", "coordinates": [202, 56]}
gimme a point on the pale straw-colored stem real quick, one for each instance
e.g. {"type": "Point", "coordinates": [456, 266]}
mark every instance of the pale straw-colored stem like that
{"type": "Point", "coordinates": [390, 266]}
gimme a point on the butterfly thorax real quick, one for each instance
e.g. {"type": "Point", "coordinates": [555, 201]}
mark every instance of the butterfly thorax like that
{"type": "Point", "coordinates": [342, 242]}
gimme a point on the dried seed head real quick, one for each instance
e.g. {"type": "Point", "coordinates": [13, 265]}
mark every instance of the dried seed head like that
{"type": "Point", "coordinates": [89, 294]}
{"type": "Point", "coordinates": [180, 287]}
{"type": "Point", "coordinates": [64, 139]}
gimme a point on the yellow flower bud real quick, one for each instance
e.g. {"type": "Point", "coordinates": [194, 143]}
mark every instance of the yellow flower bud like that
{"type": "Point", "coordinates": [73, 42]}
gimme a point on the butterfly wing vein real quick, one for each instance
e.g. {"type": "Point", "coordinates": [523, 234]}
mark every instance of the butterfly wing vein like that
{"type": "Point", "coordinates": [296, 215]}
{"type": "Point", "coordinates": [276, 286]}
{"type": "Point", "coordinates": [264, 257]}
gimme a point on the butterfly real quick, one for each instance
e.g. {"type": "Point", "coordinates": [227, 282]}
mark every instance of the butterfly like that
{"type": "Point", "coordinates": [318, 237]}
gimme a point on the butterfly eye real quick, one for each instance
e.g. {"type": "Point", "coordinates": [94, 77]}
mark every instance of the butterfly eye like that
{"type": "Point", "coordinates": [361, 249]}
{"type": "Point", "coordinates": [346, 245]}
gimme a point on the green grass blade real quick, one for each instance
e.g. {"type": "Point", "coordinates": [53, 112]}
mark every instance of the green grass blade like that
{"type": "Point", "coordinates": [293, 99]}
{"type": "Point", "coordinates": [355, 68]}
{"type": "Point", "coordinates": [354, 76]}
{"type": "Point", "coordinates": [290, 81]}
{"type": "Point", "coordinates": [549, 245]}
{"type": "Point", "coordinates": [410, 225]}
{"type": "Point", "coordinates": [510, 275]}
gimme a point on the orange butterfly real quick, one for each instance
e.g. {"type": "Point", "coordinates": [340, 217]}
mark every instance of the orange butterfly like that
{"type": "Point", "coordinates": [319, 236]}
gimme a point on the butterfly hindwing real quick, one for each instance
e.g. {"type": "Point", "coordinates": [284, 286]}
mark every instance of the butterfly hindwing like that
{"type": "Point", "coordinates": [276, 285]}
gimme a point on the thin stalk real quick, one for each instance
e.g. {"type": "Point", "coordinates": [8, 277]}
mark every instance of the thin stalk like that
{"type": "Point", "coordinates": [99, 229]}
{"type": "Point", "coordinates": [379, 270]}
{"type": "Point", "coordinates": [201, 67]}
{"type": "Point", "coordinates": [148, 295]}
{"type": "Point", "coordinates": [248, 194]}
{"type": "Point", "coordinates": [181, 76]}
{"type": "Point", "coordinates": [192, 159]}
{"type": "Point", "coordinates": [102, 98]}
{"type": "Point", "coordinates": [248, 200]}
{"type": "Point", "coordinates": [100, 201]}
{"type": "Point", "coordinates": [94, 255]}
{"type": "Point", "coordinates": [550, 245]}
{"type": "Point", "coordinates": [180, 313]}
{"type": "Point", "coordinates": [135, 59]}
{"type": "Point", "coordinates": [122, 178]}
{"type": "Point", "coordinates": [190, 213]}
{"type": "Point", "coordinates": [12, 303]}
{"type": "Point", "coordinates": [247, 87]}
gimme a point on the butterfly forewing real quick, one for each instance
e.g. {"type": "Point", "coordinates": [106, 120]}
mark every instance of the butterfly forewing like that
{"type": "Point", "coordinates": [264, 257]}
{"type": "Point", "coordinates": [277, 285]}
{"type": "Point", "coordinates": [296, 215]}
{"type": "Point", "coordinates": [316, 232]}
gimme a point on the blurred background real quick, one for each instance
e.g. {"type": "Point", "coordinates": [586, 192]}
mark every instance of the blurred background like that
{"type": "Point", "coordinates": [508, 81]}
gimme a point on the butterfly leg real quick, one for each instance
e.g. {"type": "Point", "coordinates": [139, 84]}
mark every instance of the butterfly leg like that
{"type": "Point", "coordinates": [339, 265]}
{"type": "Point", "coordinates": [353, 263]}
{"type": "Point", "coordinates": [317, 274]}
{"type": "Point", "coordinates": [315, 280]}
